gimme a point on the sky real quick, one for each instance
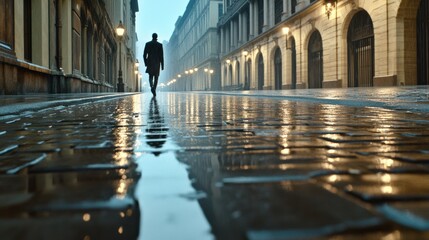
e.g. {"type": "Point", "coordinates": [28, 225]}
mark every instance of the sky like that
{"type": "Point", "coordinates": [157, 16]}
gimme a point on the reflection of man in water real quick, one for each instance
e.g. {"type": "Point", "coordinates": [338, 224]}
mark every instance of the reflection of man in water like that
{"type": "Point", "coordinates": [156, 130]}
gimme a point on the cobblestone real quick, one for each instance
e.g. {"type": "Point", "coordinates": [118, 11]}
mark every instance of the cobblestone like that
{"type": "Point", "coordinates": [264, 167]}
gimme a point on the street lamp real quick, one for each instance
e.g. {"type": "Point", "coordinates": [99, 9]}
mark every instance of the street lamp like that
{"type": "Point", "coordinates": [140, 79]}
{"type": "Point", "coordinates": [211, 71]}
{"type": "Point", "coordinates": [137, 64]}
{"type": "Point", "coordinates": [329, 7]}
{"type": "Point", "coordinates": [286, 33]}
{"type": "Point", "coordinates": [120, 30]}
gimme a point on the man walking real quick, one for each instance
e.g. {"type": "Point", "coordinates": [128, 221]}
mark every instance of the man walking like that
{"type": "Point", "coordinates": [153, 56]}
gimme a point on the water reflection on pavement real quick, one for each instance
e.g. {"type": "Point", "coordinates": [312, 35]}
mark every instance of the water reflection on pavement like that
{"type": "Point", "coordinates": [166, 196]}
{"type": "Point", "coordinates": [276, 169]}
{"type": "Point", "coordinates": [211, 166]}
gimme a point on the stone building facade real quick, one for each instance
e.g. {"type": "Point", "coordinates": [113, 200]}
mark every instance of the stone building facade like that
{"type": "Point", "coordinates": [193, 50]}
{"type": "Point", "coordinates": [288, 44]}
{"type": "Point", "coordinates": [65, 46]}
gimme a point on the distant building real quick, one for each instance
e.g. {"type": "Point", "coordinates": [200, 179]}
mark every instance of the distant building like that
{"type": "Point", "coordinates": [288, 44]}
{"type": "Point", "coordinates": [192, 54]}
{"type": "Point", "coordinates": [66, 46]}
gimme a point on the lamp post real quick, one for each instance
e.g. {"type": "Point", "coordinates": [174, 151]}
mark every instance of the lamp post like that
{"type": "Point", "coordinates": [137, 64]}
{"type": "Point", "coordinates": [120, 30]}
{"type": "Point", "coordinates": [286, 33]}
{"type": "Point", "coordinates": [211, 71]}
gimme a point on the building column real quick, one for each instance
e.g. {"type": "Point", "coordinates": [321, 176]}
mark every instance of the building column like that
{"type": "Point", "coordinates": [228, 39]}
{"type": "Point", "coordinates": [245, 26]}
{"type": "Point", "coordinates": [252, 20]}
{"type": "Point", "coordinates": [222, 41]}
{"type": "Point", "coordinates": [240, 28]}
{"type": "Point", "coordinates": [285, 13]}
{"type": "Point", "coordinates": [232, 32]}
{"type": "Point", "coordinates": [266, 14]}
{"type": "Point", "coordinates": [256, 23]}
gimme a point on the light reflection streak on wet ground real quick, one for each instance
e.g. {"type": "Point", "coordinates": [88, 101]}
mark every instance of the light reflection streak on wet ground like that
{"type": "Point", "coordinates": [165, 193]}
{"type": "Point", "coordinates": [241, 163]}
{"type": "Point", "coordinates": [245, 141]}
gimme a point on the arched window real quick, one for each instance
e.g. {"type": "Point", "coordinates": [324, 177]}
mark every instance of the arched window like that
{"type": "Point", "coordinates": [315, 61]}
{"type": "Point", "coordinates": [360, 41]}
{"type": "Point", "coordinates": [76, 39]}
{"type": "Point", "coordinates": [89, 45]}
{"type": "Point", "coordinates": [278, 69]}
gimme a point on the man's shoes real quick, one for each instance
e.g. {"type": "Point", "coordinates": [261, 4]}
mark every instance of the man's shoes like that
{"type": "Point", "coordinates": [153, 91]}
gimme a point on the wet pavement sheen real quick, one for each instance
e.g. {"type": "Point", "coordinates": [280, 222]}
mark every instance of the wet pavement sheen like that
{"type": "Point", "coordinates": [207, 166]}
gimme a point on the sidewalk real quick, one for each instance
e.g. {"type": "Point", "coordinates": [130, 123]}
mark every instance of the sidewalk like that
{"type": "Point", "coordinates": [413, 98]}
{"type": "Point", "coordinates": [12, 105]}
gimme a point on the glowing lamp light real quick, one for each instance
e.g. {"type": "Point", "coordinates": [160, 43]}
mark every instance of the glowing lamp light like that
{"type": "Point", "coordinates": [120, 29]}
{"type": "Point", "coordinates": [329, 7]}
{"type": "Point", "coordinates": [286, 30]}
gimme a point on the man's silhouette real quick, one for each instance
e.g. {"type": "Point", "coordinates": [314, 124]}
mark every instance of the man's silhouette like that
{"type": "Point", "coordinates": [153, 59]}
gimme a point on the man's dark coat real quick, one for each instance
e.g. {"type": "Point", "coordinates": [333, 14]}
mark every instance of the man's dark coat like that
{"type": "Point", "coordinates": [153, 57]}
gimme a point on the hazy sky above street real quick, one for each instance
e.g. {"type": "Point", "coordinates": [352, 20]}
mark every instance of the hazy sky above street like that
{"type": "Point", "coordinates": [157, 16]}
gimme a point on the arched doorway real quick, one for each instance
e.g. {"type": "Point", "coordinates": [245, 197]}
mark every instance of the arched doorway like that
{"type": "Point", "coordinates": [293, 62]}
{"type": "Point", "coordinates": [423, 43]}
{"type": "Point", "coordinates": [278, 69]}
{"type": "Point", "coordinates": [360, 42]}
{"type": "Point", "coordinates": [315, 61]}
{"type": "Point", "coordinates": [260, 72]}
{"type": "Point", "coordinates": [247, 77]}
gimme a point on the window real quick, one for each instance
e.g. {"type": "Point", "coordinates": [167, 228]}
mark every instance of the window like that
{"type": "Point", "coordinates": [27, 31]}
{"type": "Point", "coordinates": [6, 28]}
{"type": "Point", "coordinates": [76, 41]}
{"type": "Point", "coordinates": [260, 15]}
{"type": "Point", "coordinates": [278, 8]}
{"type": "Point", "coordinates": [293, 5]}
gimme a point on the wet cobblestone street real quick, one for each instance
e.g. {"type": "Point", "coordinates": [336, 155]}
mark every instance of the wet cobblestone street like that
{"type": "Point", "coordinates": [264, 167]}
